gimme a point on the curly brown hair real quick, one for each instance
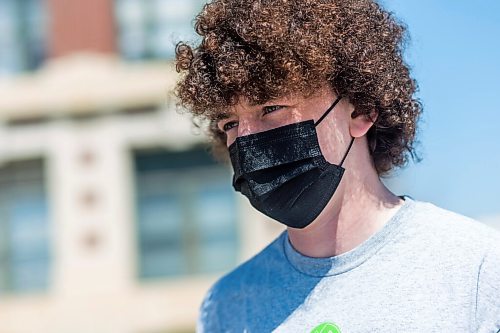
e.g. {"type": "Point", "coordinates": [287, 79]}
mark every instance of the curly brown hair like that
{"type": "Point", "coordinates": [265, 49]}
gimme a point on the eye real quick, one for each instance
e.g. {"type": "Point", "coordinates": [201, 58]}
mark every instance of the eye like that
{"type": "Point", "coordinates": [227, 126]}
{"type": "Point", "coordinates": [271, 108]}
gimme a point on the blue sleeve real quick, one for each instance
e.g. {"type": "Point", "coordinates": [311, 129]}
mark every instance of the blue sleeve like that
{"type": "Point", "coordinates": [208, 321]}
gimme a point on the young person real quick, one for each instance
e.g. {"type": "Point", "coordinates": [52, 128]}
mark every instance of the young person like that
{"type": "Point", "coordinates": [313, 103]}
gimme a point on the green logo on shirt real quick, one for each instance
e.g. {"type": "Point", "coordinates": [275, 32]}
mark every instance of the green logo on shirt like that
{"type": "Point", "coordinates": [326, 328]}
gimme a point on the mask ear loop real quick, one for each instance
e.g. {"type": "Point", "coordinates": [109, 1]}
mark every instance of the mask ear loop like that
{"type": "Point", "coordinates": [347, 152]}
{"type": "Point", "coordinates": [327, 111]}
{"type": "Point", "coordinates": [323, 117]}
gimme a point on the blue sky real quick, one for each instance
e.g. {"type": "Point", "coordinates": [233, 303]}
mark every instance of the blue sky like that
{"type": "Point", "coordinates": [454, 53]}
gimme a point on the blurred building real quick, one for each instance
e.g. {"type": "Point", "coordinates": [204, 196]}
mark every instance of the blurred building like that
{"type": "Point", "coordinates": [113, 216]}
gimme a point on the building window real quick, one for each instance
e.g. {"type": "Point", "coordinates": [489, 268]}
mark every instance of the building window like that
{"type": "Point", "coordinates": [186, 214]}
{"type": "Point", "coordinates": [150, 29]}
{"type": "Point", "coordinates": [24, 229]}
{"type": "Point", "coordinates": [23, 35]}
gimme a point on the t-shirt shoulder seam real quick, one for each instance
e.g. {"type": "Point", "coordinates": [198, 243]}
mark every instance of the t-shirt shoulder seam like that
{"type": "Point", "coordinates": [477, 286]}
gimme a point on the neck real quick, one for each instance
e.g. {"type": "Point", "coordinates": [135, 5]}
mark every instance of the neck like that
{"type": "Point", "coordinates": [357, 211]}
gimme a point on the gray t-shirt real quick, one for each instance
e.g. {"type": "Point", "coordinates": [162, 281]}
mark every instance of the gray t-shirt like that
{"type": "Point", "coordinates": [426, 270]}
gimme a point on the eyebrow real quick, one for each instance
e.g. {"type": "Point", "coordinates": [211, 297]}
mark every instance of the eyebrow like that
{"type": "Point", "coordinates": [276, 101]}
{"type": "Point", "coordinates": [222, 116]}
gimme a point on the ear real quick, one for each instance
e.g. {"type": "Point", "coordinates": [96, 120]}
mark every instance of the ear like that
{"type": "Point", "coordinates": [361, 123]}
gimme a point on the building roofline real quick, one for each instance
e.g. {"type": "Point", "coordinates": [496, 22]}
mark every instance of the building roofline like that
{"type": "Point", "coordinates": [86, 83]}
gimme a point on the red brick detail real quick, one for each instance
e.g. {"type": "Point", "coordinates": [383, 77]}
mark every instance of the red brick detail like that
{"type": "Point", "coordinates": [81, 25]}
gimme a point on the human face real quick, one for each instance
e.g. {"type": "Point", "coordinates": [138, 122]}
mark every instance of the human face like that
{"type": "Point", "coordinates": [333, 131]}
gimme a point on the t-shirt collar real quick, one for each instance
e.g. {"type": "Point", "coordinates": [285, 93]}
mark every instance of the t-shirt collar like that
{"type": "Point", "coordinates": [321, 267]}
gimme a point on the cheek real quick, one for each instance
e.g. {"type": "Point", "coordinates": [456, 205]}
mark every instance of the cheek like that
{"type": "Point", "coordinates": [281, 118]}
{"type": "Point", "coordinates": [270, 121]}
{"type": "Point", "coordinates": [231, 137]}
{"type": "Point", "coordinates": [298, 116]}
{"type": "Point", "coordinates": [332, 141]}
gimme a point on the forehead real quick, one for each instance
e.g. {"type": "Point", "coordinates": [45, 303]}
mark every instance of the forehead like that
{"type": "Point", "coordinates": [295, 99]}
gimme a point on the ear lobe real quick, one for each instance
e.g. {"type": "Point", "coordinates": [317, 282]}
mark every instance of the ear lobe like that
{"type": "Point", "coordinates": [361, 123]}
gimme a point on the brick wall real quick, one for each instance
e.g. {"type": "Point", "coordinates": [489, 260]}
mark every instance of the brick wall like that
{"type": "Point", "coordinates": [81, 25]}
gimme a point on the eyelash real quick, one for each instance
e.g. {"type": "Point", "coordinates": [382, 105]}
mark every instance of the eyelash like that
{"type": "Point", "coordinates": [226, 127]}
{"type": "Point", "coordinates": [265, 110]}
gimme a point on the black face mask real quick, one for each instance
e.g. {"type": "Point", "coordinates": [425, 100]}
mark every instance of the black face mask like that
{"type": "Point", "coordinates": [283, 172]}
